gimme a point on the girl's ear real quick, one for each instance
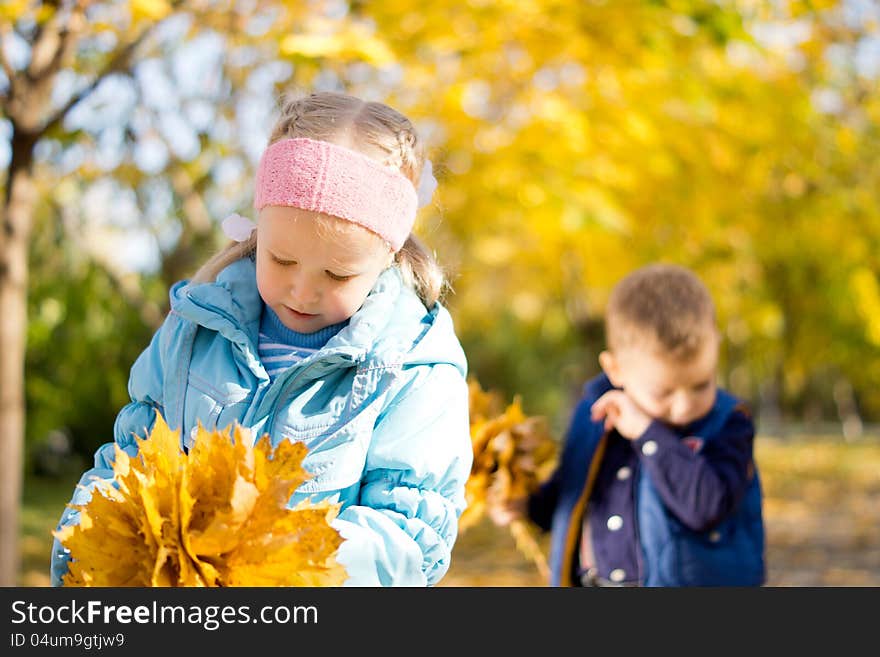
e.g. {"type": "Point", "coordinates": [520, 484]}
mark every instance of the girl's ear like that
{"type": "Point", "coordinates": [611, 367]}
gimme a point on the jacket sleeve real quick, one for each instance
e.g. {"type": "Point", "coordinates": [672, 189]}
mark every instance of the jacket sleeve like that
{"type": "Point", "coordinates": [135, 419]}
{"type": "Point", "coordinates": [403, 528]}
{"type": "Point", "coordinates": [542, 503]}
{"type": "Point", "coordinates": [703, 483]}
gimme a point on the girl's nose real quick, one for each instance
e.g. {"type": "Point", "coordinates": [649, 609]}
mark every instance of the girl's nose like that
{"type": "Point", "coordinates": [304, 291]}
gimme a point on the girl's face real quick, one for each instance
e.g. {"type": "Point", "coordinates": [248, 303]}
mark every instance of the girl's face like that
{"type": "Point", "coordinates": [314, 270]}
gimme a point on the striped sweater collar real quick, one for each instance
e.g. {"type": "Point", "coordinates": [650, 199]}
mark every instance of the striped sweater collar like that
{"type": "Point", "coordinates": [272, 327]}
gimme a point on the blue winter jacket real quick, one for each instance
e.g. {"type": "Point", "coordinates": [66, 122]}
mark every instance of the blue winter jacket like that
{"type": "Point", "coordinates": [686, 503]}
{"type": "Point", "coordinates": [382, 408]}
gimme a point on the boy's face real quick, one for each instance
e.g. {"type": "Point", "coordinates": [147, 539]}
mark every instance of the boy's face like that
{"type": "Point", "coordinates": [674, 392]}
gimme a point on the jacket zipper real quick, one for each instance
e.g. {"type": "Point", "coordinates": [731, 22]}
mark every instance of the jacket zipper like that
{"type": "Point", "coordinates": [284, 386]}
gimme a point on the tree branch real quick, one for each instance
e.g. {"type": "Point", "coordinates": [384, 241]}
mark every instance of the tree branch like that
{"type": "Point", "coordinates": [120, 62]}
{"type": "Point", "coordinates": [4, 61]}
{"type": "Point", "coordinates": [47, 44]}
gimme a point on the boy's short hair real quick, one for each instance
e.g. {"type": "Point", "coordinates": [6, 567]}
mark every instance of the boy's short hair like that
{"type": "Point", "coordinates": [660, 303]}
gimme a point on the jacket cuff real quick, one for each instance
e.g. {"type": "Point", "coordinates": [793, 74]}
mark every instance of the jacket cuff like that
{"type": "Point", "coordinates": [656, 438]}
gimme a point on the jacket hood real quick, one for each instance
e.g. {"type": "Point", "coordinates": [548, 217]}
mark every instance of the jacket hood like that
{"type": "Point", "coordinates": [392, 327]}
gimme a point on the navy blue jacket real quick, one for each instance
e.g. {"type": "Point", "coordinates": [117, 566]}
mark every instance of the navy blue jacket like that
{"type": "Point", "coordinates": [675, 507]}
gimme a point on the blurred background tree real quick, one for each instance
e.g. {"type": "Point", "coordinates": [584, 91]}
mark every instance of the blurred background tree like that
{"type": "Point", "coordinates": [573, 141]}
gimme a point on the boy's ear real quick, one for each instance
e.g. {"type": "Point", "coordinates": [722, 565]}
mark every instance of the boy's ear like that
{"type": "Point", "coordinates": [610, 366]}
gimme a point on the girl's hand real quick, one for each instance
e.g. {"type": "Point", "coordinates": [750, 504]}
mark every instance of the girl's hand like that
{"type": "Point", "coordinates": [621, 413]}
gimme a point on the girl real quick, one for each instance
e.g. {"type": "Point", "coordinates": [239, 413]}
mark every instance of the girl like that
{"type": "Point", "coordinates": [321, 323]}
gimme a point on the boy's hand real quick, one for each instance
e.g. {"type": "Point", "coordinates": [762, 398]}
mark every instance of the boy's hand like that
{"type": "Point", "coordinates": [621, 413]}
{"type": "Point", "coordinates": [506, 512]}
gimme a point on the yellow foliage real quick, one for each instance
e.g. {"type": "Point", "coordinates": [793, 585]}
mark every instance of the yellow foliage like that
{"type": "Point", "coordinates": [866, 292]}
{"type": "Point", "coordinates": [13, 9]}
{"type": "Point", "coordinates": [150, 9]}
{"type": "Point", "coordinates": [353, 43]}
{"type": "Point", "coordinates": [215, 517]}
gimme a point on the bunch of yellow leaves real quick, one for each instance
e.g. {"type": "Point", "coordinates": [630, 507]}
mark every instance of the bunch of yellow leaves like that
{"type": "Point", "coordinates": [513, 455]}
{"type": "Point", "coordinates": [217, 516]}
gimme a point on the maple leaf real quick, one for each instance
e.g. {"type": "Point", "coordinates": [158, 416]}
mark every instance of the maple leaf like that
{"type": "Point", "coordinates": [513, 455]}
{"type": "Point", "coordinates": [217, 516]}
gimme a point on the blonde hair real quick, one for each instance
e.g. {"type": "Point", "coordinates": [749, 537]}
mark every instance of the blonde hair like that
{"type": "Point", "coordinates": [371, 128]}
{"type": "Point", "coordinates": [663, 303]}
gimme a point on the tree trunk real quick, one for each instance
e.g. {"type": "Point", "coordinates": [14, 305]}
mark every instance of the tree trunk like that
{"type": "Point", "coordinates": [16, 216]}
{"type": "Point", "coordinates": [770, 403]}
{"type": "Point", "coordinates": [847, 409]}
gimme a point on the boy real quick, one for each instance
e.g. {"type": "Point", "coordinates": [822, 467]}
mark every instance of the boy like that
{"type": "Point", "coordinates": [657, 484]}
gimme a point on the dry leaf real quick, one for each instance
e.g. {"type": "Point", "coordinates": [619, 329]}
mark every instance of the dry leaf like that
{"type": "Point", "coordinates": [217, 516]}
{"type": "Point", "coordinates": [513, 455]}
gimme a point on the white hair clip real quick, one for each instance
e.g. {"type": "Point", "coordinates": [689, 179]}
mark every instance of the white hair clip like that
{"type": "Point", "coordinates": [427, 184]}
{"type": "Point", "coordinates": [238, 228]}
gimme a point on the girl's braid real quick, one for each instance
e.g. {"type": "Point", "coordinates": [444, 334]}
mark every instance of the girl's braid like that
{"type": "Point", "coordinates": [289, 123]}
{"type": "Point", "coordinates": [406, 142]}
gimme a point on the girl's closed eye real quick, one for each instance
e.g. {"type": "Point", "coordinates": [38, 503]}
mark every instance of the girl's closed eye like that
{"type": "Point", "coordinates": [341, 278]}
{"type": "Point", "coordinates": [282, 262]}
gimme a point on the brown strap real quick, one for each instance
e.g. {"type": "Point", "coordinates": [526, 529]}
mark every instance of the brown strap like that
{"type": "Point", "coordinates": [578, 513]}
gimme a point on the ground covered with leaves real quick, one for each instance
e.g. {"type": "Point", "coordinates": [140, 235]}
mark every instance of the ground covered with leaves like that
{"type": "Point", "coordinates": [822, 513]}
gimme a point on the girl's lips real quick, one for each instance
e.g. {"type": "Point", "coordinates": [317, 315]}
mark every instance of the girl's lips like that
{"type": "Point", "coordinates": [297, 313]}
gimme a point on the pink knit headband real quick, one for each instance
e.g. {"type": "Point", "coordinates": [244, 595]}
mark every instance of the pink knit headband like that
{"type": "Point", "coordinates": [323, 177]}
